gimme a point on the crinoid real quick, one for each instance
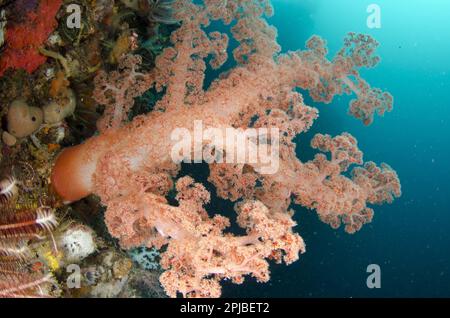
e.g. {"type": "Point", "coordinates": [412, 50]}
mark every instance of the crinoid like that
{"type": "Point", "coordinates": [20, 187]}
{"type": "Point", "coordinates": [159, 11]}
{"type": "Point", "coordinates": [17, 231]}
{"type": "Point", "coordinates": [26, 286]}
{"type": "Point", "coordinates": [8, 190]}
{"type": "Point", "coordinates": [27, 224]}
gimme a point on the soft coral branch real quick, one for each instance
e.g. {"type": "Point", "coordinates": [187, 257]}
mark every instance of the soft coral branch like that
{"type": "Point", "coordinates": [116, 91]}
{"type": "Point", "coordinates": [339, 199]}
{"type": "Point", "coordinates": [325, 79]}
{"type": "Point", "coordinates": [200, 254]}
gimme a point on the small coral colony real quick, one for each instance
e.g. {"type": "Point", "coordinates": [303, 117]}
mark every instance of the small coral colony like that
{"type": "Point", "coordinates": [92, 202]}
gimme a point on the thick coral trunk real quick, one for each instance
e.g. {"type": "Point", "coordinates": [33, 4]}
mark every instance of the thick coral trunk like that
{"type": "Point", "coordinates": [147, 140]}
{"type": "Point", "coordinates": [144, 142]}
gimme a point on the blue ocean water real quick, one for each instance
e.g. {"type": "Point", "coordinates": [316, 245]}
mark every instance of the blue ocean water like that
{"type": "Point", "coordinates": [409, 239]}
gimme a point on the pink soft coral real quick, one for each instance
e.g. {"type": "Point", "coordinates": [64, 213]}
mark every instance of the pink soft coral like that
{"type": "Point", "coordinates": [199, 254]}
{"type": "Point", "coordinates": [131, 167]}
{"type": "Point", "coordinates": [117, 90]}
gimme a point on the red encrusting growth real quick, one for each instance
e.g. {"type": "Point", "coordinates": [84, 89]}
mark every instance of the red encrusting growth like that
{"type": "Point", "coordinates": [24, 39]}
